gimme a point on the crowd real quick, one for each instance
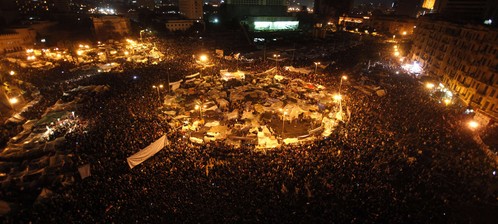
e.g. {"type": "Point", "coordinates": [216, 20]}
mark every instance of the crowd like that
{"type": "Point", "coordinates": [401, 158]}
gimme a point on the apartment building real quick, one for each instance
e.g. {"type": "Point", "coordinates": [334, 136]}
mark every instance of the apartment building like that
{"type": "Point", "coordinates": [464, 56]}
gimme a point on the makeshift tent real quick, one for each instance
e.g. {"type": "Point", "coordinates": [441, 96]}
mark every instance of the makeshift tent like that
{"type": "Point", "coordinates": [147, 152]}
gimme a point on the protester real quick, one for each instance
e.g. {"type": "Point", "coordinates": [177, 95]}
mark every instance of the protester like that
{"type": "Point", "coordinates": [401, 158]}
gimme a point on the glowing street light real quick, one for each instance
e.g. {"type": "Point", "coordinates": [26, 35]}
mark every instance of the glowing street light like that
{"type": "Point", "coordinates": [203, 58]}
{"type": "Point", "coordinates": [337, 97]}
{"type": "Point", "coordinates": [447, 102]}
{"type": "Point", "coordinates": [429, 85]}
{"type": "Point", "coordinates": [473, 125]}
{"type": "Point", "coordinates": [404, 33]}
{"type": "Point", "coordinates": [13, 100]}
{"type": "Point", "coordinates": [276, 56]}
{"type": "Point", "coordinates": [396, 53]}
{"type": "Point", "coordinates": [316, 66]}
{"type": "Point", "coordinates": [12, 72]}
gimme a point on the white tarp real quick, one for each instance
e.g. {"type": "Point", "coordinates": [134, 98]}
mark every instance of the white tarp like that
{"type": "Point", "coordinates": [298, 70]}
{"type": "Point", "coordinates": [147, 152]}
{"type": "Point", "coordinates": [225, 75]}
{"type": "Point", "coordinates": [175, 85]}
{"type": "Point", "coordinates": [192, 76]}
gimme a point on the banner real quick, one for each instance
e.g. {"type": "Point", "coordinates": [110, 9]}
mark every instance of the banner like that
{"type": "Point", "coordinates": [84, 171]}
{"type": "Point", "coordinates": [147, 152]}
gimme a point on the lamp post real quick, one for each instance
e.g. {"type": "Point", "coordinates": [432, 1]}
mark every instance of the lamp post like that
{"type": "Point", "coordinates": [340, 96]}
{"type": "Point", "coordinates": [316, 66]}
{"type": "Point", "coordinates": [141, 31]}
{"type": "Point", "coordinates": [284, 113]}
{"type": "Point", "coordinates": [158, 94]}
{"type": "Point", "coordinates": [276, 56]}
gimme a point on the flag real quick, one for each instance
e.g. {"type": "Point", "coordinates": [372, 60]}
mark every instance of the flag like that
{"type": "Point", "coordinates": [84, 171]}
{"type": "Point", "coordinates": [147, 152]}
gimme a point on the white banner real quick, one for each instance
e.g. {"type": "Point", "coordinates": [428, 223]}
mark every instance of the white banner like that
{"type": "Point", "coordinates": [146, 153]}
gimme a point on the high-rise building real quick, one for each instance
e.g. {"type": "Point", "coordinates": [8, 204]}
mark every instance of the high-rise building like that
{"type": "Point", "coordinates": [332, 8]}
{"type": "Point", "coordinates": [467, 9]}
{"type": "Point", "coordinates": [192, 9]}
{"type": "Point", "coordinates": [238, 9]}
{"type": "Point", "coordinates": [256, 2]}
{"type": "Point", "coordinates": [34, 7]}
{"type": "Point", "coordinates": [464, 57]}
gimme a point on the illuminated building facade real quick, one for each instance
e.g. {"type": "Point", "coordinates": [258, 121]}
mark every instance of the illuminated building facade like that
{"type": "Point", "coordinates": [191, 9]}
{"type": "Point", "coordinates": [464, 57]}
{"type": "Point", "coordinates": [111, 27]}
{"type": "Point", "coordinates": [17, 40]}
{"type": "Point", "coordinates": [428, 4]}
{"type": "Point", "coordinates": [34, 7]}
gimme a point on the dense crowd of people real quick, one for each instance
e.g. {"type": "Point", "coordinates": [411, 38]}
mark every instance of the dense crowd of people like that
{"type": "Point", "coordinates": [400, 158]}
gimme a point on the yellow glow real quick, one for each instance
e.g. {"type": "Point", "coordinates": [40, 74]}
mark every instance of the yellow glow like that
{"type": "Point", "coordinates": [344, 77]}
{"type": "Point", "coordinates": [12, 73]}
{"type": "Point", "coordinates": [337, 97]}
{"type": "Point", "coordinates": [396, 53]}
{"type": "Point", "coordinates": [197, 107]}
{"type": "Point", "coordinates": [428, 4]}
{"type": "Point", "coordinates": [161, 86]}
{"type": "Point", "coordinates": [13, 100]}
{"type": "Point", "coordinates": [81, 46]}
{"type": "Point", "coordinates": [154, 87]}
{"type": "Point", "coordinates": [473, 124]}
{"type": "Point", "coordinates": [126, 53]}
{"type": "Point", "coordinates": [429, 85]}
{"type": "Point", "coordinates": [395, 46]}
{"type": "Point", "coordinates": [79, 52]}
{"type": "Point", "coordinates": [317, 63]}
{"type": "Point", "coordinates": [447, 101]}
{"type": "Point", "coordinates": [404, 33]}
{"type": "Point", "coordinates": [203, 58]}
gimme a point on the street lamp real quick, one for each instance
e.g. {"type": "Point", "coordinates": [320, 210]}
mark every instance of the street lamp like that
{"type": "Point", "coordinates": [473, 125]}
{"type": "Point", "coordinates": [12, 72]}
{"type": "Point", "coordinates": [429, 85]}
{"type": "Point", "coordinates": [203, 58]}
{"type": "Point", "coordinates": [158, 93]}
{"type": "Point", "coordinates": [13, 100]}
{"type": "Point", "coordinates": [141, 31]}
{"type": "Point", "coordinates": [316, 66]}
{"type": "Point", "coordinates": [276, 56]}
{"type": "Point", "coordinates": [339, 97]}
{"type": "Point", "coordinates": [283, 121]}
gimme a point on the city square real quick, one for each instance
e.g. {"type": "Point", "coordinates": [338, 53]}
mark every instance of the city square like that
{"type": "Point", "coordinates": [200, 128]}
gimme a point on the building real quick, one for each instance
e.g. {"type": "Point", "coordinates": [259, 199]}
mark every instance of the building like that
{"type": "Point", "coordinates": [468, 9]}
{"type": "Point", "coordinates": [111, 27]}
{"type": "Point", "coordinates": [332, 8]}
{"type": "Point", "coordinates": [179, 24]}
{"type": "Point", "coordinates": [239, 9]}
{"type": "Point", "coordinates": [393, 25]}
{"type": "Point", "coordinates": [34, 8]}
{"type": "Point", "coordinates": [464, 57]}
{"type": "Point", "coordinates": [17, 40]}
{"type": "Point", "coordinates": [191, 9]}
